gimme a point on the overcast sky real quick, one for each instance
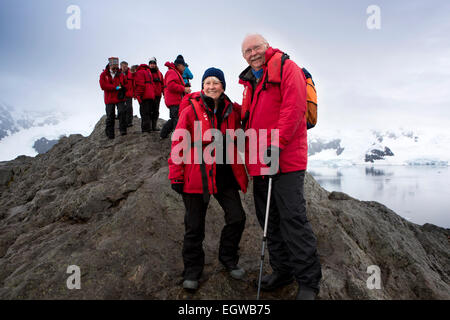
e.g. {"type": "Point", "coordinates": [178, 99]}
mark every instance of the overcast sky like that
{"type": "Point", "coordinates": [397, 75]}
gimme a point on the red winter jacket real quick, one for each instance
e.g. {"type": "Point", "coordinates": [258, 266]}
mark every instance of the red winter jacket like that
{"type": "Point", "coordinates": [144, 86]}
{"type": "Point", "coordinates": [279, 106]}
{"type": "Point", "coordinates": [190, 174]}
{"type": "Point", "coordinates": [158, 80]}
{"type": "Point", "coordinates": [173, 86]}
{"type": "Point", "coordinates": [129, 84]}
{"type": "Point", "coordinates": [108, 85]}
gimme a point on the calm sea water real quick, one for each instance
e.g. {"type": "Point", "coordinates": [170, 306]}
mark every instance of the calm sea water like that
{"type": "Point", "coordinates": [420, 194]}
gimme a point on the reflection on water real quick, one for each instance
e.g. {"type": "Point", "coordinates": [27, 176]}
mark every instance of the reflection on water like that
{"type": "Point", "coordinates": [323, 178]}
{"type": "Point", "coordinates": [371, 171]}
{"type": "Point", "coordinates": [419, 194]}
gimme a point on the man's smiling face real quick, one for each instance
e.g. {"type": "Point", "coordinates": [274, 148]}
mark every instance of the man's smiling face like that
{"type": "Point", "coordinates": [253, 49]}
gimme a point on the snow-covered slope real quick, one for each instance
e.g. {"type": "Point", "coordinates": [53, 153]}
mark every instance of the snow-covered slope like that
{"type": "Point", "coordinates": [21, 142]}
{"type": "Point", "coordinates": [391, 147]}
{"type": "Point", "coordinates": [12, 121]}
{"type": "Point", "coordinates": [19, 130]}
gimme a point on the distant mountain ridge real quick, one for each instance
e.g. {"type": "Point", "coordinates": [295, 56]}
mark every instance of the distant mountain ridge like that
{"type": "Point", "coordinates": [398, 147]}
{"type": "Point", "coordinates": [12, 121]}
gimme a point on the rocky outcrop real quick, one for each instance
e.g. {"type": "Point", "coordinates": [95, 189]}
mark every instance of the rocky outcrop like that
{"type": "Point", "coordinates": [378, 154]}
{"type": "Point", "coordinates": [107, 207]}
{"type": "Point", "coordinates": [42, 145]}
{"type": "Point", "coordinates": [318, 145]}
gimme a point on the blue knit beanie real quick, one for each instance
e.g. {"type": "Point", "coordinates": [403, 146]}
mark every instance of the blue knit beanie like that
{"type": "Point", "coordinates": [214, 72]}
{"type": "Point", "coordinates": [179, 60]}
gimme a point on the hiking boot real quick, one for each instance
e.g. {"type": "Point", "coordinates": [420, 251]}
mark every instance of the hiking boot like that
{"type": "Point", "coordinates": [305, 293]}
{"type": "Point", "coordinates": [237, 273]}
{"type": "Point", "coordinates": [273, 281]}
{"type": "Point", "coordinates": [233, 269]}
{"type": "Point", "coordinates": [190, 284]}
{"type": "Point", "coordinates": [154, 126]}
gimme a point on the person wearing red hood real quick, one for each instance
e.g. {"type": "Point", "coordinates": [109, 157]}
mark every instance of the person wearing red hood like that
{"type": "Point", "coordinates": [196, 181]}
{"type": "Point", "coordinates": [174, 90]}
{"type": "Point", "coordinates": [145, 93]}
{"type": "Point", "coordinates": [275, 99]}
{"type": "Point", "coordinates": [129, 94]}
{"type": "Point", "coordinates": [112, 82]}
{"type": "Point", "coordinates": [158, 79]}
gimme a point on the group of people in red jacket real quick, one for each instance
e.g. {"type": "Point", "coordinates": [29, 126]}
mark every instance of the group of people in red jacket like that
{"type": "Point", "coordinates": [147, 84]}
{"type": "Point", "coordinates": [274, 107]}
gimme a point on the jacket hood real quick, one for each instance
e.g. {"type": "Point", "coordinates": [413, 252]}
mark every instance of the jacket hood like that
{"type": "Point", "coordinates": [227, 104]}
{"type": "Point", "coordinates": [247, 75]}
{"type": "Point", "coordinates": [269, 54]}
{"type": "Point", "coordinates": [170, 65]}
{"type": "Point", "coordinates": [142, 67]}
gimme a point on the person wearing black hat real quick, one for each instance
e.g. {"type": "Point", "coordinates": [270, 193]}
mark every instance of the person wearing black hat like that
{"type": "Point", "coordinates": [221, 178]}
{"type": "Point", "coordinates": [174, 90]}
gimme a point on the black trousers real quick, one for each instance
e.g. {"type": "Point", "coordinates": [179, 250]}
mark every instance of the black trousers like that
{"type": "Point", "coordinates": [290, 239]}
{"type": "Point", "coordinates": [154, 112]}
{"type": "Point", "coordinates": [110, 118]}
{"type": "Point", "coordinates": [145, 111]}
{"type": "Point", "coordinates": [171, 124]}
{"type": "Point", "coordinates": [194, 221]}
{"type": "Point", "coordinates": [129, 106]}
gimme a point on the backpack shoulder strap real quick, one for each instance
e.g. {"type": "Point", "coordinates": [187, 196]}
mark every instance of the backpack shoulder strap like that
{"type": "Point", "coordinates": [283, 60]}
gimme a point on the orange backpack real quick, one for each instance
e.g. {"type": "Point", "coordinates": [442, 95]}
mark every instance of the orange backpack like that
{"type": "Point", "coordinates": [311, 101]}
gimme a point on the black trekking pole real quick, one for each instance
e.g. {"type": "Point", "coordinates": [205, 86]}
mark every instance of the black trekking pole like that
{"type": "Point", "coordinates": [266, 222]}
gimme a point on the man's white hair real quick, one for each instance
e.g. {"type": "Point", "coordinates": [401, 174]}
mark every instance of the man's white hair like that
{"type": "Point", "coordinates": [253, 35]}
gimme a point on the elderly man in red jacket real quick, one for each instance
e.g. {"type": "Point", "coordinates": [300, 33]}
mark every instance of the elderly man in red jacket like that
{"type": "Point", "coordinates": [112, 82]}
{"type": "Point", "coordinates": [275, 102]}
{"type": "Point", "coordinates": [174, 90]}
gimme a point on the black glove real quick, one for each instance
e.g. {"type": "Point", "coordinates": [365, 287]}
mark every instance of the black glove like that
{"type": "Point", "coordinates": [272, 159]}
{"type": "Point", "coordinates": [178, 187]}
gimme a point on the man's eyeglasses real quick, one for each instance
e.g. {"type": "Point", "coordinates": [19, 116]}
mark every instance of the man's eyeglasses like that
{"type": "Point", "coordinates": [256, 48]}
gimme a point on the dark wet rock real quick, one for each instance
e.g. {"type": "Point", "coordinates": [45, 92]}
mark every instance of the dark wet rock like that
{"type": "Point", "coordinates": [319, 145]}
{"type": "Point", "coordinates": [107, 207]}
{"type": "Point", "coordinates": [377, 154]}
{"type": "Point", "coordinates": [42, 145]}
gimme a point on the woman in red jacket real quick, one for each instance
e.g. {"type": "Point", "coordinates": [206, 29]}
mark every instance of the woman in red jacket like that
{"type": "Point", "coordinates": [174, 90]}
{"type": "Point", "coordinates": [196, 182]}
